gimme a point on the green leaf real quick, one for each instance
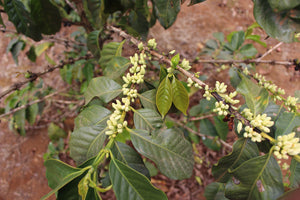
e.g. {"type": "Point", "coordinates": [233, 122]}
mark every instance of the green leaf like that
{"type": "Point", "coordinates": [130, 184]}
{"type": "Point", "coordinates": [163, 73]}
{"type": "Point", "coordinates": [283, 4]}
{"type": "Point", "coordinates": [19, 121]}
{"type": "Point", "coordinates": [59, 174]}
{"type": "Point", "coordinates": [55, 132]}
{"type": "Point", "coordinates": [248, 50]}
{"type": "Point", "coordinates": [93, 43]}
{"type": "Point", "coordinates": [31, 54]}
{"type": "Point", "coordinates": [92, 115]}
{"type": "Point", "coordinates": [94, 10]}
{"type": "Point", "coordinates": [46, 16]}
{"type": "Point", "coordinates": [139, 23]}
{"type": "Point", "coordinates": [257, 98]}
{"type": "Point", "coordinates": [295, 174]}
{"type": "Point", "coordinates": [257, 39]}
{"type": "Point", "coordinates": [243, 150]}
{"type": "Point", "coordinates": [166, 11]}
{"type": "Point", "coordinates": [278, 25]}
{"type": "Point", "coordinates": [257, 178]}
{"type": "Point", "coordinates": [15, 47]}
{"type": "Point", "coordinates": [208, 128]}
{"type": "Point", "coordinates": [116, 67]}
{"type": "Point", "coordinates": [180, 96]}
{"type": "Point", "coordinates": [193, 2]}
{"type": "Point", "coordinates": [147, 119]}
{"type": "Point", "coordinates": [171, 152]}
{"type": "Point", "coordinates": [39, 49]}
{"type": "Point", "coordinates": [236, 40]}
{"type": "Point", "coordinates": [31, 113]}
{"type": "Point", "coordinates": [88, 71]}
{"type": "Point", "coordinates": [18, 15]}
{"type": "Point", "coordinates": [86, 142]}
{"type": "Point", "coordinates": [130, 157]}
{"type": "Point", "coordinates": [221, 127]}
{"type": "Point", "coordinates": [164, 97]}
{"type": "Point", "coordinates": [286, 123]}
{"type": "Point", "coordinates": [109, 51]}
{"type": "Point", "coordinates": [175, 60]}
{"type": "Point", "coordinates": [215, 191]}
{"type": "Point", "coordinates": [148, 99]}
{"type": "Point", "coordinates": [102, 87]}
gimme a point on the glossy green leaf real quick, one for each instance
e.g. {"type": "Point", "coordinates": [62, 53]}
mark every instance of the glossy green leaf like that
{"type": "Point", "coordinates": [31, 113]}
{"type": "Point", "coordinates": [215, 191]}
{"type": "Point", "coordinates": [138, 22]}
{"type": "Point", "coordinates": [221, 127]}
{"type": "Point", "coordinates": [175, 60]}
{"type": "Point", "coordinates": [93, 43]}
{"type": "Point", "coordinates": [31, 54]}
{"type": "Point", "coordinates": [15, 46]}
{"type": "Point", "coordinates": [180, 96]}
{"type": "Point", "coordinates": [257, 39]}
{"type": "Point", "coordinates": [147, 119]}
{"type": "Point", "coordinates": [86, 142]}
{"type": "Point", "coordinates": [278, 25]}
{"type": "Point", "coordinates": [286, 123]}
{"type": "Point", "coordinates": [257, 178]}
{"type": "Point", "coordinates": [164, 97]}
{"type": "Point", "coordinates": [257, 98]}
{"type": "Point", "coordinates": [283, 4]}
{"type": "Point", "coordinates": [166, 11]}
{"type": "Point", "coordinates": [193, 2]}
{"type": "Point", "coordinates": [148, 99]}
{"type": "Point", "coordinates": [46, 16]}
{"type": "Point", "coordinates": [18, 15]}
{"type": "Point", "coordinates": [116, 67]}
{"type": "Point", "coordinates": [109, 51]}
{"type": "Point", "coordinates": [208, 128]}
{"type": "Point", "coordinates": [130, 184]}
{"type": "Point", "coordinates": [243, 150]}
{"type": "Point", "coordinates": [92, 115]}
{"type": "Point", "coordinates": [59, 174]}
{"type": "Point", "coordinates": [130, 157]}
{"type": "Point", "coordinates": [88, 71]}
{"type": "Point", "coordinates": [171, 152]}
{"type": "Point", "coordinates": [39, 49]}
{"type": "Point", "coordinates": [163, 73]}
{"type": "Point", "coordinates": [295, 174]}
{"type": "Point", "coordinates": [104, 88]}
{"type": "Point", "coordinates": [94, 11]}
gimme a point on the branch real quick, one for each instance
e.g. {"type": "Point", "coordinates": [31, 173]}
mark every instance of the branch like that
{"type": "Point", "coordinates": [34, 76]}
{"type": "Point", "coordinates": [255, 61]}
{"type": "Point", "coordinates": [269, 51]}
{"type": "Point", "coordinates": [28, 104]}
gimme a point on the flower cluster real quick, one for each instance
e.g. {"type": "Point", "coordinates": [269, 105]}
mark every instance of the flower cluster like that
{"type": "Point", "coordinates": [135, 75]}
{"type": "Point", "coordinates": [185, 64]}
{"type": "Point", "coordinates": [291, 103]}
{"type": "Point", "coordinates": [152, 43]}
{"type": "Point", "coordinates": [116, 121]}
{"type": "Point", "coordinates": [286, 145]}
{"type": "Point", "coordinates": [262, 122]}
{"type": "Point", "coordinates": [192, 83]}
{"type": "Point", "coordinates": [221, 108]}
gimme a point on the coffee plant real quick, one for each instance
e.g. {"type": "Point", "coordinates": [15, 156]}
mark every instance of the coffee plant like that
{"type": "Point", "coordinates": [136, 109]}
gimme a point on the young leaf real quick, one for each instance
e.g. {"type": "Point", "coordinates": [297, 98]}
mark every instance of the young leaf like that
{"type": "Point", "coordinates": [171, 152]}
{"type": "Point", "coordinates": [243, 150]}
{"type": "Point", "coordinates": [104, 88]}
{"type": "Point", "coordinates": [59, 174]}
{"type": "Point", "coordinates": [215, 191]}
{"type": "Point", "coordinates": [46, 16]}
{"type": "Point", "coordinates": [166, 11]}
{"type": "Point", "coordinates": [236, 40]}
{"type": "Point", "coordinates": [257, 98]}
{"type": "Point", "coordinates": [164, 97]}
{"type": "Point", "coordinates": [147, 119]}
{"type": "Point", "coordinates": [175, 60]}
{"type": "Point", "coordinates": [286, 123]}
{"type": "Point", "coordinates": [257, 178]}
{"type": "Point", "coordinates": [148, 99]}
{"type": "Point", "coordinates": [295, 174]}
{"type": "Point", "coordinates": [130, 184]}
{"type": "Point", "coordinates": [92, 115]}
{"type": "Point", "coordinates": [86, 142]}
{"type": "Point", "coordinates": [180, 96]}
{"type": "Point", "coordinates": [109, 51]}
{"type": "Point", "coordinates": [130, 157]}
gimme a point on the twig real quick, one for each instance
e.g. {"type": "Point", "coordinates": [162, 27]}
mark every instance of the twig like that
{"type": "Point", "coordinates": [34, 76]}
{"type": "Point", "coordinates": [202, 135]}
{"type": "Point", "coordinates": [202, 117]}
{"type": "Point", "coordinates": [28, 104]}
{"type": "Point", "coordinates": [269, 51]}
{"type": "Point", "coordinates": [255, 61]}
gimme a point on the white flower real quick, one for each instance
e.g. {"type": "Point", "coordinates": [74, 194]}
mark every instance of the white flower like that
{"type": "Point", "coordinates": [287, 145]}
{"type": "Point", "coordinates": [152, 43]}
{"type": "Point", "coordinates": [185, 64]}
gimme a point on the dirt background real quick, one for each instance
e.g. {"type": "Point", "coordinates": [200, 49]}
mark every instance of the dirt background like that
{"type": "Point", "coordinates": [22, 175]}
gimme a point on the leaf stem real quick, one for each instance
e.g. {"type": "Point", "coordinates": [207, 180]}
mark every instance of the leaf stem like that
{"type": "Point", "coordinates": [264, 135]}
